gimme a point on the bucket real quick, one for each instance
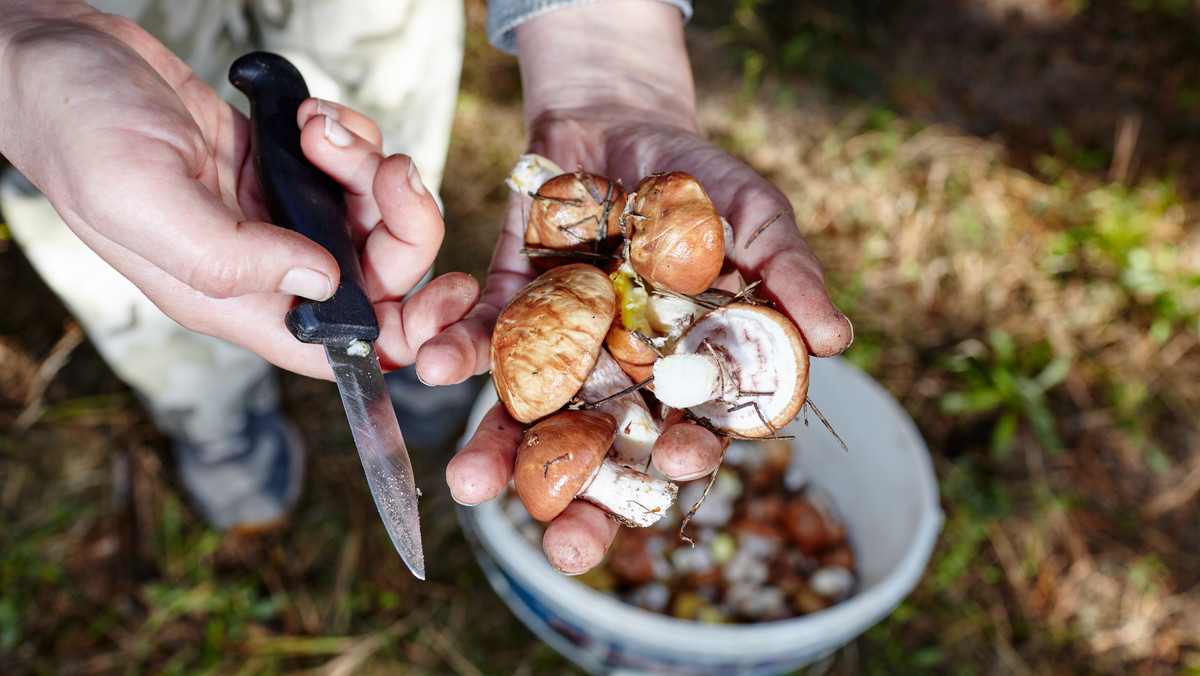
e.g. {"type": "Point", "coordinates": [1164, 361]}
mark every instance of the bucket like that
{"type": "Point", "coordinates": [884, 488]}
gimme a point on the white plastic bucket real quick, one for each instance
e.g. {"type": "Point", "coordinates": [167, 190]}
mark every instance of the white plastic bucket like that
{"type": "Point", "coordinates": [884, 488]}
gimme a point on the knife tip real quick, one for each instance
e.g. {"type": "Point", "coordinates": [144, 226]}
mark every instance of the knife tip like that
{"type": "Point", "coordinates": [417, 568]}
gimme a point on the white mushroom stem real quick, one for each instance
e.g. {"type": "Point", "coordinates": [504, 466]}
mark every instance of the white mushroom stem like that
{"type": "Point", "coordinates": [530, 172]}
{"type": "Point", "coordinates": [633, 498]}
{"type": "Point", "coordinates": [687, 380]}
{"type": "Point", "coordinates": [636, 428]}
{"type": "Point", "coordinates": [669, 316]}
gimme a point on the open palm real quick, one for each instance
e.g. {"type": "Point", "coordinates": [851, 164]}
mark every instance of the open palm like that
{"type": "Point", "coordinates": [612, 142]}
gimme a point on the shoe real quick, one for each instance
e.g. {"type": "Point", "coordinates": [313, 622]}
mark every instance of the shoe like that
{"type": "Point", "coordinates": [250, 481]}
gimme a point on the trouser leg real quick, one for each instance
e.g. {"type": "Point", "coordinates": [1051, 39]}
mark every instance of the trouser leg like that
{"type": "Point", "coordinates": [193, 384]}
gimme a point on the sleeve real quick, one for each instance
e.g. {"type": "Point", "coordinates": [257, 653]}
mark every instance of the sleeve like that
{"type": "Point", "coordinates": [503, 16]}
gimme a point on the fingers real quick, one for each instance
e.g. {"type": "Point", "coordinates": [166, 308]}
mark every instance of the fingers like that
{"type": "Point", "coordinates": [405, 326]}
{"type": "Point", "coordinates": [577, 540]}
{"type": "Point", "coordinates": [459, 352]}
{"type": "Point", "coordinates": [397, 255]}
{"type": "Point", "coordinates": [177, 224]}
{"type": "Point", "coordinates": [358, 124]}
{"type": "Point", "coordinates": [199, 240]}
{"type": "Point", "coordinates": [793, 279]}
{"type": "Point", "coordinates": [350, 160]}
{"type": "Point", "coordinates": [768, 246]}
{"type": "Point", "coordinates": [825, 329]}
{"type": "Point", "coordinates": [463, 349]}
{"type": "Point", "coordinates": [396, 219]}
{"type": "Point", "coordinates": [481, 470]}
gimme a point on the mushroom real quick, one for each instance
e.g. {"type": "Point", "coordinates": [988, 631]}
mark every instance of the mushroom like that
{"type": "Point", "coordinates": [634, 355]}
{"type": "Point", "coordinates": [548, 337]}
{"type": "Point", "coordinates": [563, 457]}
{"type": "Point", "coordinates": [676, 237]}
{"type": "Point", "coordinates": [578, 213]}
{"type": "Point", "coordinates": [637, 430]}
{"type": "Point", "coordinates": [743, 368]}
{"type": "Point", "coordinates": [646, 322]}
{"type": "Point", "coordinates": [530, 172]}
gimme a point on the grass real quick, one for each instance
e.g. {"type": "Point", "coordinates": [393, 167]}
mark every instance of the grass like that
{"type": "Point", "coordinates": [1023, 273]}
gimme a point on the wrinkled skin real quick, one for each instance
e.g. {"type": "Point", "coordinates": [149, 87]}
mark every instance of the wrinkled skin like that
{"type": "Point", "coordinates": [594, 103]}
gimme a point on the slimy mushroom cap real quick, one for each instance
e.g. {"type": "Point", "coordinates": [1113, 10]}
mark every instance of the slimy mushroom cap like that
{"type": "Point", "coordinates": [558, 456]}
{"type": "Point", "coordinates": [548, 337]}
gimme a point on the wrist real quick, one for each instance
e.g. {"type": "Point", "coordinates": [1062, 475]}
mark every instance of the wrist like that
{"type": "Point", "coordinates": [614, 55]}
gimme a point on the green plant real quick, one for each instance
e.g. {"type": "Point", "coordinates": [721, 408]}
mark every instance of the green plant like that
{"type": "Point", "coordinates": [1010, 383]}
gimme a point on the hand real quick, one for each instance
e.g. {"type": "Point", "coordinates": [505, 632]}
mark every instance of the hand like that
{"type": "Point", "coordinates": [151, 169]}
{"type": "Point", "coordinates": [608, 89]}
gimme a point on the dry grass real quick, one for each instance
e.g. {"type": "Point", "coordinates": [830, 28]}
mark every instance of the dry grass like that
{"type": "Point", "coordinates": [1037, 311]}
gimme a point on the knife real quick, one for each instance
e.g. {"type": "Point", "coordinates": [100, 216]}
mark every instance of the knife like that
{"type": "Point", "coordinates": [303, 198]}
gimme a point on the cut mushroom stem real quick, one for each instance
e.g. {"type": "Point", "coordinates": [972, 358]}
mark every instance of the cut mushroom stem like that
{"type": "Point", "coordinates": [742, 368]}
{"type": "Point", "coordinates": [563, 457]}
{"type": "Point", "coordinates": [687, 380]}
{"type": "Point", "coordinates": [630, 497]}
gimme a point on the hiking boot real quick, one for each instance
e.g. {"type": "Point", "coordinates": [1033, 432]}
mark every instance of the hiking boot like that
{"type": "Point", "coordinates": [247, 482]}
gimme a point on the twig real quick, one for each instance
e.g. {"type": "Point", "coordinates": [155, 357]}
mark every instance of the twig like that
{"type": "Point", "coordinates": [565, 253]}
{"type": "Point", "coordinates": [1175, 497]}
{"type": "Point", "coordinates": [50, 366]}
{"type": "Point", "coordinates": [1123, 148]}
{"type": "Point", "coordinates": [589, 405]}
{"type": "Point", "coordinates": [829, 427]}
{"type": "Point", "coordinates": [687, 518]}
{"type": "Point", "coordinates": [762, 227]}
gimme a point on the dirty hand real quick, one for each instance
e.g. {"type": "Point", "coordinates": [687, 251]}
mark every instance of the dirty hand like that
{"type": "Point", "coordinates": [608, 89]}
{"type": "Point", "coordinates": [151, 169]}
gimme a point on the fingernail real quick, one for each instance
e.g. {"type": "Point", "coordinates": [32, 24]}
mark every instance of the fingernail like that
{"type": "Point", "coordinates": [851, 325]}
{"type": "Point", "coordinates": [337, 134]}
{"type": "Point", "coordinates": [306, 283]}
{"type": "Point", "coordinates": [691, 477]}
{"type": "Point", "coordinates": [323, 108]}
{"type": "Point", "coordinates": [414, 178]}
{"type": "Point", "coordinates": [422, 380]}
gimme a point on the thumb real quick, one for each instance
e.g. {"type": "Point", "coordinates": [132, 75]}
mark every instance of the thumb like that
{"type": "Point", "coordinates": [192, 236]}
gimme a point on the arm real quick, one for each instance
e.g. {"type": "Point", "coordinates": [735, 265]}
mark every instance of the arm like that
{"type": "Point", "coordinates": [151, 169]}
{"type": "Point", "coordinates": [608, 87]}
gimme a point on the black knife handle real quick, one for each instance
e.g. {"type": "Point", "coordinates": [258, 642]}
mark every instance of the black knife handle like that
{"type": "Point", "coordinates": [303, 198]}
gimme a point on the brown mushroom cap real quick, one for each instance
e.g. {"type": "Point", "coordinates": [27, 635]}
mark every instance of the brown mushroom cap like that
{"type": "Point", "coordinates": [635, 356]}
{"type": "Point", "coordinates": [762, 350]}
{"type": "Point", "coordinates": [676, 237]}
{"type": "Point", "coordinates": [578, 212]}
{"type": "Point", "coordinates": [556, 458]}
{"type": "Point", "coordinates": [547, 339]}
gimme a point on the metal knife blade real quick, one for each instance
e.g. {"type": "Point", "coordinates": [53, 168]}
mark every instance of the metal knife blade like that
{"type": "Point", "coordinates": [300, 197]}
{"type": "Point", "coordinates": [380, 445]}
